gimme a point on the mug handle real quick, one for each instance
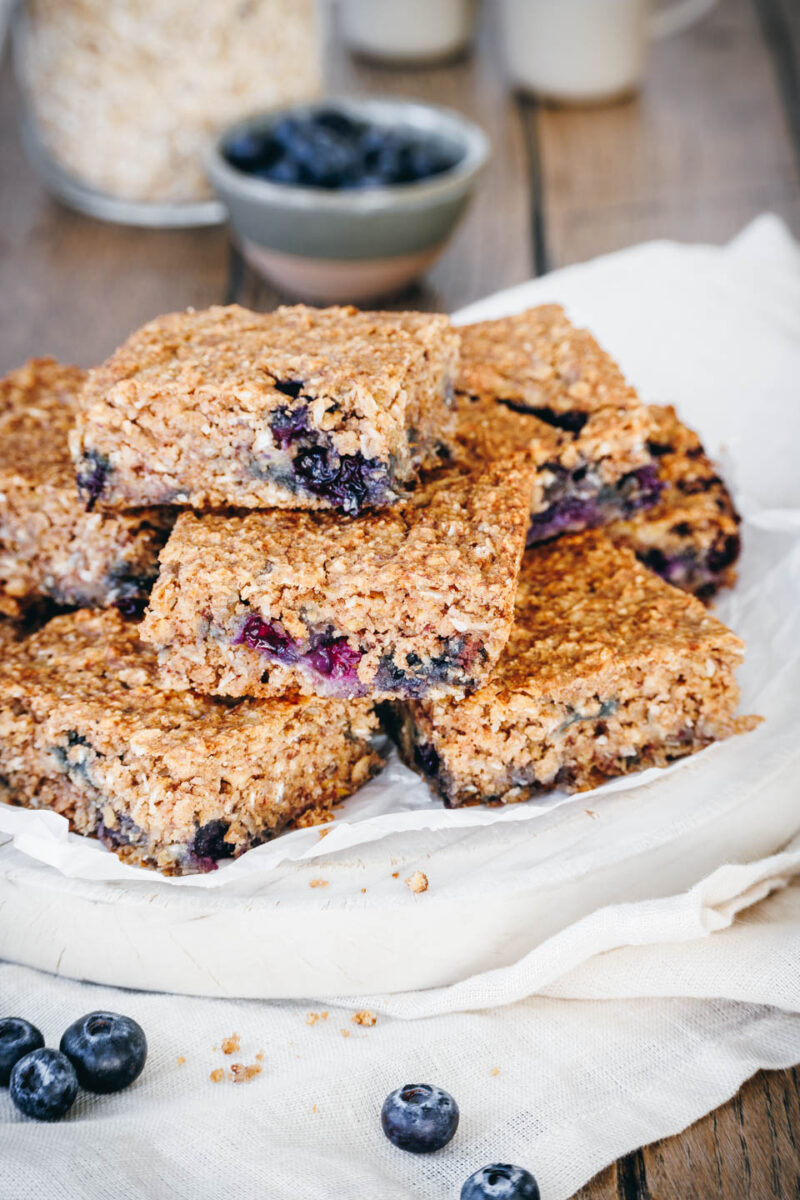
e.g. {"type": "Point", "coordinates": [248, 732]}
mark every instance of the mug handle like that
{"type": "Point", "coordinates": [678, 16]}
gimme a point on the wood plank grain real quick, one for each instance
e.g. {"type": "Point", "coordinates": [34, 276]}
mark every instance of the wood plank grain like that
{"type": "Point", "coordinates": [492, 248]}
{"type": "Point", "coordinates": [702, 150]}
{"type": "Point", "coordinates": [74, 287]}
{"type": "Point", "coordinates": [749, 1148]}
{"type": "Point", "coordinates": [780, 24]}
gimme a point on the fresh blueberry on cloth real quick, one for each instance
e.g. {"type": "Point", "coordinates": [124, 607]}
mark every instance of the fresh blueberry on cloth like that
{"type": "Point", "coordinates": [419, 1117]}
{"type": "Point", "coordinates": [17, 1038]}
{"type": "Point", "coordinates": [500, 1181]}
{"type": "Point", "coordinates": [108, 1051]}
{"type": "Point", "coordinates": [44, 1085]}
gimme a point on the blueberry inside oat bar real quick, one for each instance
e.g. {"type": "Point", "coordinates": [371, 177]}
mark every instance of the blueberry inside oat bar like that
{"type": "Point", "coordinates": [412, 600]}
{"type": "Point", "coordinates": [49, 545]}
{"type": "Point", "coordinates": [589, 426]}
{"type": "Point", "coordinates": [607, 670]}
{"type": "Point", "coordinates": [298, 408]}
{"type": "Point", "coordinates": [691, 535]}
{"type": "Point", "coordinates": [176, 782]}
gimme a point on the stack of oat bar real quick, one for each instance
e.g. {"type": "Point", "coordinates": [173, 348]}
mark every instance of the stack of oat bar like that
{"type": "Point", "coordinates": [341, 501]}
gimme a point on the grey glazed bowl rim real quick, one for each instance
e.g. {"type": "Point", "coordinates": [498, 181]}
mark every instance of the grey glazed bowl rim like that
{"type": "Point", "coordinates": [430, 118]}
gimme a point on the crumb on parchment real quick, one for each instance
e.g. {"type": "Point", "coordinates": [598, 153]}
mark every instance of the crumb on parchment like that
{"type": "Point", "coordinates": [231, 1044]}
{"type": "Point", "coordinates": [364, 1017]}
{"type": "Point", "coordinates": [417, 882]}
{"type": "Point", "coordinates": [217, 1075]}
{"type": "Point", "coordinates": [319, 883]}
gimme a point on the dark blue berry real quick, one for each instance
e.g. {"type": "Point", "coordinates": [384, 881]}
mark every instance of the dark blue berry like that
{"type": "Point", "coordinates": [724, 551]}
{"type": "Point", "coordinates": [334, 659]}
{"type": "Point", "coordinates": [289, 387]}
{"type": "Point", "coordinates": [287, 424]}
{"type": "Point", "coordinates": [270, 638]}
{"type": "Point", "coordinates": [131, 607]}
{"type": "Point", "coordinates": [91, 477]}
{"type": "Point", "coordinates": [419, 1117]}
{"type": "Point", "coordinates": [245, 151]}
{"type": "Point", "coordinates": [328, 655]}
{"type": "Point", "coordinates": [285, 170]}
{"type": "Point", "coordinates": [108, 1051]}
{"type": "Point", "coordinates": [427, 759]}
{"type": "Point", "coordinates": [209, 845]}
{"type": "Point", "coordinates": [500, 1181]}
{"type": "Point", "coordinates": [17, 1038]}
{"type": "Point", "coordinates": [44, 1085]}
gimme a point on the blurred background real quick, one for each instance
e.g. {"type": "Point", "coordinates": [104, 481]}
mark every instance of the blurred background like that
{"type": "Point", "coordinates": [129, 185]}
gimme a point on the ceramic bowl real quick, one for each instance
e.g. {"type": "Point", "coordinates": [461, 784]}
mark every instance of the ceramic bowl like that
{"type": "Point", "coordinates": [350, 245]}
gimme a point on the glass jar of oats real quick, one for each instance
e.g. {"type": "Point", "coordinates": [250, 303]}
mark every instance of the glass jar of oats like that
{"type": "Point", "coordinates": [123, 96]}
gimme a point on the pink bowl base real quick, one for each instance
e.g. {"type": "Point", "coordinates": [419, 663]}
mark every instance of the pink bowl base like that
{"type": "Point", "coordinates": [334, 280]}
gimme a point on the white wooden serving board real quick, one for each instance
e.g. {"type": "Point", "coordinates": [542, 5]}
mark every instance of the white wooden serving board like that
{"type": "Point", "coordinates": [494, 894]}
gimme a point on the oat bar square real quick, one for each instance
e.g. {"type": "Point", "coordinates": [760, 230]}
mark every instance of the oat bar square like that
{"type": "Point", "coordinates": [607, 670]}
{"type": "Point", "coordinates": [411, 600]}
{"type": "Point", "coordinates": [49, 545]}
{"type": "Point", "coordinates": [176, 782]}
{"type": "Point", "coordinates": [588, 426]}
{"type": "Point", "coordinates": [691, 535]}
{"type": "Point", "coordinates": [298, 408]}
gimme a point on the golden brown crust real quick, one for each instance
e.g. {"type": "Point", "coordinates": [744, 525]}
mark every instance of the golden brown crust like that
{"type": "Point", "coordinates": [538, 360]}
{"type": "Point", "coordinates": [85, 728]}
{"type": "Point", "coordinates": [181, 412]}
{"type": "Point", "coordinates": [49, 545]}
{"type": "Point", "coordinates": [607, 669]}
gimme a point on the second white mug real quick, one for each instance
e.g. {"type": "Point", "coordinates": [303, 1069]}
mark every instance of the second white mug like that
{"type": "Point", "coordinates": [586, 51]}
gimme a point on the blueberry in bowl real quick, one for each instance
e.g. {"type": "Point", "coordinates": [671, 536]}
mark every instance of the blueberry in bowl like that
{"type": "Point", "coordinates": [348, 199]}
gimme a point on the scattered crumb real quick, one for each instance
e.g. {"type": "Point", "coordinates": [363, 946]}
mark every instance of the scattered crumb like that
{"type": "Point", "coordinates": [312, 1018]}
{"type": "Point", "coordinates": [324, 1015]}
{"type": "Point", "coordinates": [395, 874]}
{"type": "Point", "coordinates": [313, 816]}
{"type": "Point", "coordinates": [260, 1056]}
{"type": "Point", "coordinates": [217, 1076]}
{"type": "Point", "coordinates": [181, 1060]}
{"type": "Point", "coordinates": [242, 1073]}
{"type": "Point", "coordinates": [313, 1108]}
{"type": "Point", "coordinates": [591, 814]}
{"type": "Point", "coordinates": [364, 1017]}
{"type": "Point", "coordinates": [417, 882]}
{"type": "Point", "coordinates": [230, 1044]}
{"type": "Point", "coordinates": [345, 1033]}
{"type": "Point", "coordinates": [318, 883]}
{"type": "Point", "coordinates": [215, 1048]}
{"type": "Point", "coordinates": [325, 830]}
{"type": "Point", "coordinates": [495, 1071]}
{"type": "Point", "coordinates": [363, 889]}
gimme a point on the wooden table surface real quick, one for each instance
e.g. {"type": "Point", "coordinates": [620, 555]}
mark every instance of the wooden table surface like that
{"type": "Point", "coordinates": [713, 139]}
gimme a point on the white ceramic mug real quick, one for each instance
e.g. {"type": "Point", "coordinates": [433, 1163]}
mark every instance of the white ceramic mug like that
{"type": "Point", "coordinates": [587, 51]}
{"type": "Point", "coordinates": [407, 31]}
